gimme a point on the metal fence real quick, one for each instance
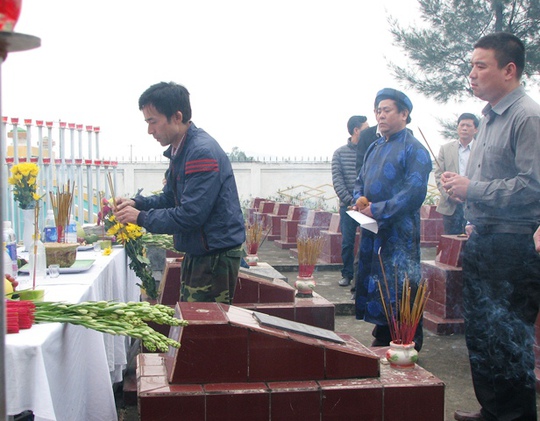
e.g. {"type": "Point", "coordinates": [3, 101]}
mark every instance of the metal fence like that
{"type": "Point", "coordinates": [77, 160]}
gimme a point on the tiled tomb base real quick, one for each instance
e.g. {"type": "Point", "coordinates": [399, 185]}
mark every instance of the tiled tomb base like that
{"type": "Point", "coordinates": [431, 226]}
{"type": "Point", "coordinates": [260, 288]}
{"type": "Point", "coordinates": [289, 227]}
{"type": "Point", "coordinates": [232, 368]}
{"type": "Point", "coordinates": [276, 297]}
{"type": "Point", "coordinates": [444, 308]}
{"type": "Point", "coordinates": [280, 212]}
{"type": "Point", "coordinates": [331, 250]}
{"type": "Point", "coordinates": [450, 250]}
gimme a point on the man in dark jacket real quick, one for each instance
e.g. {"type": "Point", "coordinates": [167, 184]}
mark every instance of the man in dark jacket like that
{"type": "Point", "coordinates": [367, 137]}
{"type": "Point", "coordinates": [199, 203]}
{"type": "Point", "coordinates": [343, 178]}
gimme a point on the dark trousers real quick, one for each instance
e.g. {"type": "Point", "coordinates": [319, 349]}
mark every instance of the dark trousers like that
{"type": "Point", "coordinates": [348, 228]}
{"type": "Point", "coordinates": [455, 224]}
{"type": "Point", "coordinates": [501, 291]}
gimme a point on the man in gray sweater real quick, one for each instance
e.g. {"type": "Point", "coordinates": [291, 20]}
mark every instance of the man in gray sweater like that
{"type": "Point", "coordinates": [343, 178]}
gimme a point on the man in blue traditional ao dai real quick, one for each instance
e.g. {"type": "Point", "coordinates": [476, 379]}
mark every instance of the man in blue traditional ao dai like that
{"type": "Point", "coordinates": [394, 179]}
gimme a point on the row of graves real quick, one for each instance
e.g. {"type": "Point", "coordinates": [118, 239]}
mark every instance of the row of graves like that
{"type": "Point", "coordinates": [273, 354]}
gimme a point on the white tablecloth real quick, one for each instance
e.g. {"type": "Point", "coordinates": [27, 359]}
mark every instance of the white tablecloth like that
{"type": "Point", "coordinates": [65, 372]}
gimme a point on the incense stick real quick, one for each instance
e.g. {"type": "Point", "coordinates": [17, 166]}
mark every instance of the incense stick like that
{"type": "Point", "coordinates": [61, 203]}
{"type": "Point", "coordinates": [429, 147]}
{"type": "Point", "coordinates": [404, 321]}
{"type": "Point", "coordinates": [111, 187]}
{"type": "Point", "coordinates": [36, 238]}
{"type": "Point", "coordinates": [309, 249]}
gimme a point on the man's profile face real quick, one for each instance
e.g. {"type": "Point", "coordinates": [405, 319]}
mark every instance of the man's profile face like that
{"type": "Point", "coordinates": [164, 131]}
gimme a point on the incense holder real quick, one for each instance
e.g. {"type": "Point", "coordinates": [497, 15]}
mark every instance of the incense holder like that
{"type": "Point", "coordinates": [402, 356]}
{"type": "Point", "coordinates": [252, 259]}
{"type": "Point", "coordinates": [305, 286]}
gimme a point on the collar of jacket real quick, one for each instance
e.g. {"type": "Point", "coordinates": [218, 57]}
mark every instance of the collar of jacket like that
{"type": "Point", "coordinates": [189, 134]}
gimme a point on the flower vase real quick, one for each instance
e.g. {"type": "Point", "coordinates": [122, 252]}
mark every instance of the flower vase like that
{"type": "Point", "coordinates": [402, 356]}
{"type": "Point", "coordinates": [29, 220]}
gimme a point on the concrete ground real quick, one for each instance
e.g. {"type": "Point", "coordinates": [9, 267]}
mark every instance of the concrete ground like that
{"type": "Point", "coordinates": [444, 356]}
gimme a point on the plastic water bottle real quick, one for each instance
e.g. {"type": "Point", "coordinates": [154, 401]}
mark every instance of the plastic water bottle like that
{"type": "Point", "coordinates": [71, 231]}
{"type": "Point", "coordinates": [49, 230]}
{"type": "Point", "coordinates": [8, 267]}
{"type": "Point", "coordinates": [39, 260]}
{"type": "Point", "coordinates": [11, 245]}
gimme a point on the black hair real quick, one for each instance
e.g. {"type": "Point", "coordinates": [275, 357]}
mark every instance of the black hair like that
{"type": "Point", "coordinates": [167, 98]}
{"type": "Point", "coordinates": [508, 49]}
{"type": "Point", "coordinates": [468, 116]}
{"type": "Point", "coordinates": [355, 121]}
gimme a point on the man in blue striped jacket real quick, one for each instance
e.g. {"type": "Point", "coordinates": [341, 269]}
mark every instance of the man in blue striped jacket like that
{"type": "Point", "coordinates": [343, 177]}
{"type": "Point", "coordinates": [199, 203]}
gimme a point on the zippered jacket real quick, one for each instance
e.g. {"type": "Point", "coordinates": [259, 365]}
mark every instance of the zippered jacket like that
{"type": "Point", "coordinates": [199, 203]}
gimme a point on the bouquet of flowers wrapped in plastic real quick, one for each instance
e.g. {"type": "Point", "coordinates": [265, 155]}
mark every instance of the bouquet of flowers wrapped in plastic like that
{"type": "Point", "coordinates": [24, 181]}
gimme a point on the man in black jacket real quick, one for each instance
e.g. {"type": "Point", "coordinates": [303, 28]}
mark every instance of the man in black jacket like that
{"type": "Point", "coordinates": [367, 137]}
{"type": "Point", "coordinates": [343, 177]}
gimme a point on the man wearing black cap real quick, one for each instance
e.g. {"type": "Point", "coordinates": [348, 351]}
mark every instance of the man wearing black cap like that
{"type": "Point", "coordinates": [394, 179]}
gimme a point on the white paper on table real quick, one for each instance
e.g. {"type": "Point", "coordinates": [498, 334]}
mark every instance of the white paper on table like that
{"type": "Point", "coordinates": [364, 220]}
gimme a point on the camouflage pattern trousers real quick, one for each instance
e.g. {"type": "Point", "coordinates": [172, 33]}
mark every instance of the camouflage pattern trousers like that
{"type": "Point", "coordinates": [210, 278]}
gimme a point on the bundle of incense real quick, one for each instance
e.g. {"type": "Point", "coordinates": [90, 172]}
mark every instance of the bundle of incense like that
{"type": "Point", "coordinates": [61, 203]}
{"type": "Point", "coordinates": [404, 319]}
{"type": "Point", "coordinates": [309, 249]}
{"type": "Point", "coordinates": [254, 236]}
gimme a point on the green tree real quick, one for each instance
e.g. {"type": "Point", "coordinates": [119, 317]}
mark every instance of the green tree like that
{"type": "Point", "coordinates": [237, 155]}
{"type": "Point", "coordinates": [439, 52]}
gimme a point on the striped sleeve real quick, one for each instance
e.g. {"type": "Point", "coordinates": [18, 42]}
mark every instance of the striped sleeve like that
{"type": "Point", "coordinates": [202, 165]}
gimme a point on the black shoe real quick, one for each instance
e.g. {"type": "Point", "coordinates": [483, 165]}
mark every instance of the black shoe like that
{"type": "Point", "coordinates": [344, 282]}
{"type": "Point", "coordinates": [468, 416]}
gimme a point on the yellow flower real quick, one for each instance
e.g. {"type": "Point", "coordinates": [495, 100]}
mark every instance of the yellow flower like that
{"type": "Point", "coordinates": [107, 251]}
{"type": "Point", "coordinates": [24, 184]}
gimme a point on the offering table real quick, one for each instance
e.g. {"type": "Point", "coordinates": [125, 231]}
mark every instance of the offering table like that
{"type": "Point", "coordinates": [66, 372]}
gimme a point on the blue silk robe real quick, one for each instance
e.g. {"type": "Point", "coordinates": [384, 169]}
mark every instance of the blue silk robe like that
{"type": "Point", "coordinates": [394, 178]}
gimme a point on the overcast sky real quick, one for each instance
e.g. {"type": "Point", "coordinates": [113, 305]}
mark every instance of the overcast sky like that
{"type": "Point", "coordinates": [274, 78]}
